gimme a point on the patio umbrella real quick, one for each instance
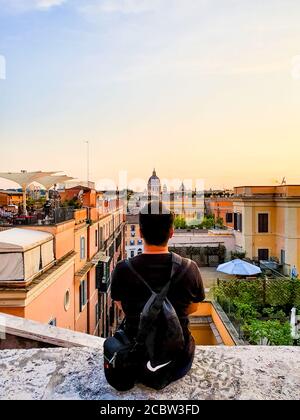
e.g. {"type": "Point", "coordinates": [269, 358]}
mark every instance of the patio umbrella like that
{"type": "Point", "coordinates": [239, 268]}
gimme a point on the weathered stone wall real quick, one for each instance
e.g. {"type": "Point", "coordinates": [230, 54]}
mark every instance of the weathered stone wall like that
{"type": "Point", "coordinates": [218, 373]}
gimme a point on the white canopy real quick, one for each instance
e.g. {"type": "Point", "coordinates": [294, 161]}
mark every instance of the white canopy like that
{"type": "Point", "coordinates": [21, 240]}
{"type": "Point", "coordinates": [239, 268]}
{"type": "Point", "coordinates": [24, 179]}
{"type": "Point", "coordinates": [49, 181]}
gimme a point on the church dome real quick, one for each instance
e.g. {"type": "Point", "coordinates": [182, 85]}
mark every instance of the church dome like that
{"type": "Point", "coordinates": [154, 178]}
{"type": "Point", "coordinates": [154, 187]}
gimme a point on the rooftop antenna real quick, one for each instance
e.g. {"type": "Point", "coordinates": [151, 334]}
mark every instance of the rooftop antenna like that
{"type": "Point", "coordinates": [87, 161]}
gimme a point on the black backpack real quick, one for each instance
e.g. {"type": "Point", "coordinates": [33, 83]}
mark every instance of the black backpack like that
{"type": "Point", "coordinates": [152, 355]}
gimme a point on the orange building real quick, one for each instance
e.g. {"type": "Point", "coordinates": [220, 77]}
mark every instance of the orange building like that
{"type": "Point", "coordinates": [72, 288]}
{"type": "Point", "coordinates": [85, 194]}
{"type": "Point", "coordinates": [221, 208]}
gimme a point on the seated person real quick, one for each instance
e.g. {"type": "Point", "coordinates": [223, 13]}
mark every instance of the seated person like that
{"type": "Point", "coordinates": [155, 265]}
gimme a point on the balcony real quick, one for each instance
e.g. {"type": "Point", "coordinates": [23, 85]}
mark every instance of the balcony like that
{"type": "Point", "coordinates": [103, 275]}
{"type": "Point", "coordinates": [38, 217]}
{"type": "Point", "coordinates": [76, 373]}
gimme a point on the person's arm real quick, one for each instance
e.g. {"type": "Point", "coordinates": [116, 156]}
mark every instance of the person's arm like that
{"type": "Point", "coordinates": [116, 287]}
{"type": "Point", "coordinates": [192, 308]}
{"type": "Point", "coordinates": [119, 305]}
{"type": "Point", "coordinates": [197, 292]}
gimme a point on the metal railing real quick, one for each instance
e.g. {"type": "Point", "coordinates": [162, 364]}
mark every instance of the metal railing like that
{"type": "Point", "coordinates": [42, 217]}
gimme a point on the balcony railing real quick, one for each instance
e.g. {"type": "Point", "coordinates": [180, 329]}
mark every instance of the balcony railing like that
{"type": "Point", "coordinates": [39, 217]}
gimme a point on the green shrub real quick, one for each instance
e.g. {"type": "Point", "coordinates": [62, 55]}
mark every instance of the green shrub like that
{"type": "Point", "coordinates": [180, 223]}
{"type": "Point", "coordinates": [274, 332]}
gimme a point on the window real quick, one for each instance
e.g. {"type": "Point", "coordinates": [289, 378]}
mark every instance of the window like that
{"type": "Point", "coordinates": [133, 234]}
{"type": "Point", "coordinates": [132, 228]}
{"type": "Point", "coordinates": [263, 223]}
{"type": "Point", "coordinates": [282, 256]}
{"type": "Point", "coordinates": [132, 242]}
{"type": "Point", "coordinates": [238, 222]}
{"type": "Point", "coordinates": [82, 248]}
{"type": "Point", "coordinates": [97, 313]}
{"type": "Point", "coordinates": [229, 218]}
{"type": "Point", "coordinates": [96, 238]}
{"type": "Point", "coordinates": [101, 236]}
{"type": "Point", "coordinates": [83, 294]}
{"type": "Point", "coordinates": [67, 300]}
{"type": "Point", "coordinates": [263, 254]}
{"type": "Point", "coordinates": [140, 242]}
{"type": "Point", "coordinates": [52, 322]}
{"type": "Point", "coordinates": [140, 251]}
{"type": "Point", "coordinates": [131, 254]}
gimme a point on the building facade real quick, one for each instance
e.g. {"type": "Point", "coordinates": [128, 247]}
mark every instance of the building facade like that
{"type": "Point", "coordinates": [134, 241]}
{"type": "Point", "coordinates": [221, 208]}
{"type": "Point", "coordinates": [73, 290]}
{"type": "Point", "coordinates": [267, 223]}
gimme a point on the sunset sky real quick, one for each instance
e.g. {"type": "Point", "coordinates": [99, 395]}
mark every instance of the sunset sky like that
{"type": "Point", "coordinates": [197, 88]}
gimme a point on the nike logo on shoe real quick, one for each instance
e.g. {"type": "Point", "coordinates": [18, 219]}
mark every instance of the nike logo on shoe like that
{"type": "Point", "coordinates": [152, 369]}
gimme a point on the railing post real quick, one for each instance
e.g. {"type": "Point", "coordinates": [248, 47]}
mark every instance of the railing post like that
{"type": "Point", "coordinates": [264, 290]}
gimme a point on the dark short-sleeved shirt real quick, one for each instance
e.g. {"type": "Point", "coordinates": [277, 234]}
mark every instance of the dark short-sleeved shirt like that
{"type": "Point", "coordinates": [156, 270]}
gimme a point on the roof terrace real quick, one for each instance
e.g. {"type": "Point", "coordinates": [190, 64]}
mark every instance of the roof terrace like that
{"type": "Point", "coordinates": [279, 191]}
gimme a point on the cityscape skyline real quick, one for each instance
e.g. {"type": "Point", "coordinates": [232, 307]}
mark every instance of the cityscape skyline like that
{"type": "Point", "coordinates": [195, 90]}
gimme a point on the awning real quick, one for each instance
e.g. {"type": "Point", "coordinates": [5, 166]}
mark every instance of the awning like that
{"type": "Point", "coordinates": [21, 240]}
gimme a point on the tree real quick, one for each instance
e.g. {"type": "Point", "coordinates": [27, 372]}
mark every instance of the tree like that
{"type": "Point", "coordinates": [208, 222]}
{"type": "Point", "coordinates": [220, 222]}
{"type": "Point", "coordinates": [180, 223]}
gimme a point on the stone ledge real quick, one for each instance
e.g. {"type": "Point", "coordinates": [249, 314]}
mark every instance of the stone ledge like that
{"type": "Point", "coordinates": [36, 334]}
{"type": "Point", "coordinates": [230, 373]}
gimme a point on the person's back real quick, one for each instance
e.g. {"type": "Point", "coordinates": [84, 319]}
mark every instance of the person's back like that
{"type": "Point", "coordinates": [155, 266]}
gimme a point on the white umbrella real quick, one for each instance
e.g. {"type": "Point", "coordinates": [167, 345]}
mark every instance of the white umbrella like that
{"type": "Point", "coordinates": [239, 268]}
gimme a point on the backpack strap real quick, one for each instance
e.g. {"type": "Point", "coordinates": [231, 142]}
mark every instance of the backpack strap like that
{"type": "Point", "coordinates": [177, 262]}
{"type": "Point", "coordinates": [141, 278]}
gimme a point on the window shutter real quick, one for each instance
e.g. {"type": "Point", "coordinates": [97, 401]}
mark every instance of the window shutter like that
{"type": "Point", "coordinates": [80, 297]}
{"type": "Point", "coordinates": [263, 223]}
{"type": "Point", "coordinates": [235, 221]}
{"type": "Point", "coordinates": [241, 223]}
{"type": "Point", "coordinates": [85, 292]}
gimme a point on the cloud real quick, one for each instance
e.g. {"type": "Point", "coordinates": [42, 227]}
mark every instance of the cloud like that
{"type": "Point", "coordinates": [122, 6]}
{"type": "Point", "coordinates": [136, 7]}
{"type": "Point", "coordinates": [21, 6]}
{"type": "Point", "coordinates": [47, 4]}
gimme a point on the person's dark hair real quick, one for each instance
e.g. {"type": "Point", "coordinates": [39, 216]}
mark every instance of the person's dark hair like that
{"type": "Point", "coordinates": [156, 222]}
